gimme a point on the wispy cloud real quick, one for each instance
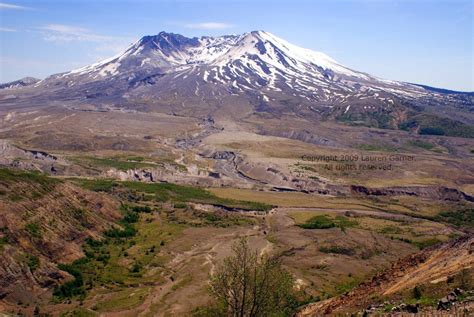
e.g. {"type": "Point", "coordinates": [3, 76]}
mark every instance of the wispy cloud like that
{"type": "Point", "coordinates": [7, 30]}
{"type": "Point", "coordinates": [68, 33]}
{"type": "Point", "coordinates": [209, 25]}
{"type": "Point", "coordinates": [9, 6]}
{"type": "Point", "coordinates": [60, 33]}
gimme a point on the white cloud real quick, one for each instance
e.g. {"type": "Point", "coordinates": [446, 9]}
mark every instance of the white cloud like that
{"type": "Point", "coordinates": [209, 25]}
{"type": "Point", "coordinates": [7, 30]}
{"type": "Point", "coordinates": [9, 6]}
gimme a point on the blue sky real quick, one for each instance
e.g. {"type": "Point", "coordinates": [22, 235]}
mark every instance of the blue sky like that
{"type": "Point", "coordinates": [421, 41]}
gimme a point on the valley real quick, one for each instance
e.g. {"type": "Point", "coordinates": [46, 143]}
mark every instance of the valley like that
{"type": "Point", "coordinates": [125, 184]}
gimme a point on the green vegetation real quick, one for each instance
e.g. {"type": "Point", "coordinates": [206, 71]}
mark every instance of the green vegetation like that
{"type": "Point", "coordinates": [74, 287]}
{"type": "Point", "coordinates": [8, 176]}
{"type": "Point", "coordinates": [335, 249]}
{"type": "Point", "coordinates": [180, 205]}
{"type": "Point", "coordinates": [123, 299]}
{"type": "Point", "coordinates": [319, 222]}
{"type": "Point", "coordinates": [3, 241]}
{"type": "Point", "coordinates": [123, 164]}
{"type": "Point", "coordinates": [33, 262]}
{"type": "Point", "coordinates": [119, 260]}
{"type": "Point", "coordinates": [127, 231]}
{"type": "Point", "coordinates": [459, 218]}
{"type": "Point", "coordinates": [371, 119]}
{"type": "Point", "coordinates": [37, 184]}
{"type": "Point", "coordinates": [346, 286]}
{"type": "Point", "coordinates": [391, 230]}
{"type": "Point", "coordinates": [420, 244]}
{"type": "Point", "coordinates": [417, 292]}
{"type": "Point", "coordinates": [426, 243]}
{"type": "Point", "coordinates": [33, 229]}
{"type": "Point", "coordinates": [79, 312]}
{"type": "Point", "coordinates": [222, 220]}
{"type": "Point", "coordinates": [325, 222]}
{"type": "Point", "coordinates": [97, 185]}
{"type": "Point", "coordinates": [432, 125]}
{"type": "Point", "coordinates": [422, 144]}
{"type": "Point", "coordinates": [145, 209]}
{"type": "Point", "coordinates": [172, 192]}
{"type": "Point", "coordinates": [377, 147]}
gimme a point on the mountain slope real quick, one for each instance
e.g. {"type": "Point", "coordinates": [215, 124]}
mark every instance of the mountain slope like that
{"type": "Point", "coordinates": [257, 72]}
{"type": "Point", "coordinates": [44, 221]}
{"type": "Point", "coordinates": [20, 83]}
{"type": "Point", "coordinates": [430, 268]}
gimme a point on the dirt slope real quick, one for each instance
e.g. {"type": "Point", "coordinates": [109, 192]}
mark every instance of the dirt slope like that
{"type": "Point", "coordinates": [42, 222]}
{"type": "Point", "coordinates": [432, 266]}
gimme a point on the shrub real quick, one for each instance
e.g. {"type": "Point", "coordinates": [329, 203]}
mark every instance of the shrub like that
{"type": "Point", "coordinates": [180, 205]}
{"type": "Point", "coordinates": [127, 231]}
{"type": "Point", "coordinates": [33, 262]}
{"type": "Point", "coordinates": [431, 131]}
{"type": "Point", "coordinates": [33, 229]}
{"type": "Point", "coordinates": [337, 250]}
{"type": "Point", "coordinates": [74, 287]}
{"type": "Point", "coordinates": [136, 268]}
{"type": "Point", "coordinates": [131, 217]}
{"type": "Point", "coordinates": [460, 217]}
{"type": "Point", "coordinates": [319, 222]}
{"type": "Point", "coordinates": [417, 292]}
{"type": "Point", "coordinates": [325, 222]}
{"type": "Point", "coordinates": [145, 209]}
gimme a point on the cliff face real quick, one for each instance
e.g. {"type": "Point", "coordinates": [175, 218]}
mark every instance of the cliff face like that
{"type": "Point", "coordinates": [43, 222]}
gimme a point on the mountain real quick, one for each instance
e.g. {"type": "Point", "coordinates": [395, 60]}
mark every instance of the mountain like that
{"type": "Point", "coordinates": [26, 81]}
{"type": "Point", "coordinates": [250, 74]}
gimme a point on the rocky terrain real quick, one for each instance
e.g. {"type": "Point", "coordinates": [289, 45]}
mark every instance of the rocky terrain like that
{"type": "Point", "coordinates": [430, 268]}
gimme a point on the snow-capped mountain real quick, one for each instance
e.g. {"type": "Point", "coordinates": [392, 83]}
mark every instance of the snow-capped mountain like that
{"type": "Point", "coordinates": [198, 76]}
{"type": "Point", "coordinates": [252, 60]}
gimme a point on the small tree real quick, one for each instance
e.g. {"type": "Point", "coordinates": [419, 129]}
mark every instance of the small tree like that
{"type": "Point", "coordinates": [465, 279]}
{"type": "Point", "coordinates": [247, 285]}
{"type": "Point", "coordinates": [417, 292]}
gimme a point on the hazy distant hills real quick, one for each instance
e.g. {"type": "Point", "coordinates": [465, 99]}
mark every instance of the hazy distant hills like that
{"type": "Point", "coordinates": [252, 74]}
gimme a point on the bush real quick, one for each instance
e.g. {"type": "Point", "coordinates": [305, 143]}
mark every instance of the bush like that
{"type": "Point", "coordinates": [426, 243]}
{"type": "Point", "coordinates": [145, 209]}
{"type": "Point", "coordinates": [459, 218]}
{"type": "Point", "coordinates": [180, 205]}
{"type": "Point", "coordinates": [33, 262]}
{"type": "Point", "coordinates": [431, 131]}
{"type": "Point", "coordinates": [127, 231]}
{"type": "Point", "coordinates": [325, 222]}
{"type": "Point", "coordinates": [131, 217]}
{"type": "Point", "coordinates": [337, 250]}
{"type": "Point", "coordinates": [33, 229]}
{"type": "Point", "coordinates": [319, 222]}
{"type": "Point", "coordinates": [417, 292]}
{"type": "Point", "coordinates": [136, 268]}
{"type": "Point", "coordinates": [70, 288]}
